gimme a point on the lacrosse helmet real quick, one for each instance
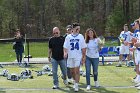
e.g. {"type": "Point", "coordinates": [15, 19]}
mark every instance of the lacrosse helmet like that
{"type": "Point", "coordinates": [46, 68]}
{"type": "Point", "coordinates": [5, 72]}
{"type": "Point", "coordinates": [13, 77]}
{"type": "Point", "coordinates": [81, 71]}
{"type": "Point", "coordinates": [26, 72]}
{"type": "Point", "coordinates": [84, 74]}
{"type": "Point", "coordinates": [39, 73]}
{"type": "Point", "coordinates": [50, 74]}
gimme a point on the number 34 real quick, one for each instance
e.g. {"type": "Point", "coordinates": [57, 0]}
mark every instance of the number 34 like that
{"type": "Point", "coordinates": [74, 46]}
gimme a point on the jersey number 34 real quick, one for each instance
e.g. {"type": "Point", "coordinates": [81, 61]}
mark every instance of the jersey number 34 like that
{"type": "Point", "coordinates": [74, 46]}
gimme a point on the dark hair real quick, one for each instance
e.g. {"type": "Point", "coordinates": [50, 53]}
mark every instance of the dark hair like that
{"type": "Point", "coordinates": [86, 34]}
{"type": "Point", "coordinates": [75, 25]}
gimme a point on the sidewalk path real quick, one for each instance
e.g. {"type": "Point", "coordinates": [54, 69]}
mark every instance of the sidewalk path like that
{"type": "Point", "coordinates": [45, 60]}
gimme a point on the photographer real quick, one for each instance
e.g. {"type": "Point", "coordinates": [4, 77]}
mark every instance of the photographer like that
{"type": "Point", "coordinates": [18, 46]}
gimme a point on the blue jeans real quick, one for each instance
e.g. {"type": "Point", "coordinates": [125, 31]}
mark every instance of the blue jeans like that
{"type": "Point", "coordinates": [94, 62]}
{"type": "Point", "coordinates": [63, 68]}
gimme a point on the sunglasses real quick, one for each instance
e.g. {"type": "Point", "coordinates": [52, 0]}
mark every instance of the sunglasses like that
{"type": "Point", "coordinates": [55, 33]}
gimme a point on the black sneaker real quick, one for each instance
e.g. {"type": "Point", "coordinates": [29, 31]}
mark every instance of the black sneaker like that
{"type": "Point", "coordinates": [119, 65]}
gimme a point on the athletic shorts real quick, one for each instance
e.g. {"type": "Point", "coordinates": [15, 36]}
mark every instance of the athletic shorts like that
{"type": "Point", "coordinates": [124, 49]}
{"type": "Point", "coordinates": [73, 62]}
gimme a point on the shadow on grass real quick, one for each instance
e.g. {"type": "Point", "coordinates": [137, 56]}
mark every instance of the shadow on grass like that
{"type": "Point", "coordinates": [94, 89]}
{"type": "Point", "coordinates": [103, 90]}
{"type": "Point", "coordinates": [2, 91]}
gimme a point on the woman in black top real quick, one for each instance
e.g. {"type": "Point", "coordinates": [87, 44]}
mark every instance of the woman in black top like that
{"type": "Point", "coordinates": [18, 46]}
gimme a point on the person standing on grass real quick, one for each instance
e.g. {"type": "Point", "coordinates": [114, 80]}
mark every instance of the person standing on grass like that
{"type": "Point", "coordinates": [55, 56]}
{"type": "Point", "coordinates": [18, 46]}
{"type": "Point", "coordinates": [75, 50]}
{"type": "Point", "coordinates": [92, 56]}
{"type": "Point", "coordinates": [135, 40]}
{"type": "Point", "coordinates": [125, 39]}
{"type": "Point", "coordinates": [69, 31]}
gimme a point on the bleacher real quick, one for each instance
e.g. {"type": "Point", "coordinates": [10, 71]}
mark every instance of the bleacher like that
{"type": "Point", "coordinates": [109, 52]}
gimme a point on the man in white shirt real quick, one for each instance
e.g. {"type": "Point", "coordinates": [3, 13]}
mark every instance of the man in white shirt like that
{"type": "Point", "coordinates": [75, 49]}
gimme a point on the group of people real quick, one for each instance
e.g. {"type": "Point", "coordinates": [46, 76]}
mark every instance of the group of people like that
{"type": "Point", "coordinates": [71, 51]}
{"type": "Point", "coordinates": [130, 44]}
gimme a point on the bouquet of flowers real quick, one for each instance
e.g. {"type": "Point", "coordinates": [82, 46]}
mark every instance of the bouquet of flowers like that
{"type": "Point", "coordinates": [121, 39]}
{"type": "Point", "coordinates": [101, 41]}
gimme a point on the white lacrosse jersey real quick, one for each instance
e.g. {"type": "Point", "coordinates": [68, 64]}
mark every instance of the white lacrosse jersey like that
{"type": "Point", "coordinates": [138, 39]}
{"type": "Point", "coordinates": [126, 35]}
{"type": "Point", "coordinates": [74, 44]}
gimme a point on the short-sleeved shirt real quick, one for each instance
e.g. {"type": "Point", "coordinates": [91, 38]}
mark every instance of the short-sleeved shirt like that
{"type": "Point", "coordinates": [74, 44]}
{"type": "Point", "coordinates": [126, 35]}
{"type": "Point", "coordinates": [56, 44]}
{"type": "Point", "coordinates": [92, 48]}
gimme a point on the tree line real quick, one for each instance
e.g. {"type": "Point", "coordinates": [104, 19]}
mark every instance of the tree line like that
{"type": "Point", "coordinates": [36, 18]}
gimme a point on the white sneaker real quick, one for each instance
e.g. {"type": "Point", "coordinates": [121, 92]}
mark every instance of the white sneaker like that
{"type": "Point", "coordinates": [70, 81]}
{"type": "Point", "coordinates": [137, 85]}
{"type": "Point", "coordinates": [55, 86]}
{"type": "Point", "coordinates": [136, 80]}
{"type": "Point", "coordinates": [76, 88]}
{"type": "Point", "coordinates": [88, 87]}
{"type": "Point", "coordinates": [65, 82]}
{"type": "Point", "coordinates": [96, 83]}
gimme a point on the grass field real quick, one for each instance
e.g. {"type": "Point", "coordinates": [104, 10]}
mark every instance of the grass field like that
{"type": "Point", "coordinates": [36, 50]}
{"type": "Point", "coordinates": [111, 78]}
{"type": "Point", "coordinates": [7, 54]}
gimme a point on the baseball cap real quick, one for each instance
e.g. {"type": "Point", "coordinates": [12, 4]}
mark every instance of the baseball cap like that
{"type": "Point", "coordinates": [132, 24]}
{"type": "Point", "coordinates": [69, 27]}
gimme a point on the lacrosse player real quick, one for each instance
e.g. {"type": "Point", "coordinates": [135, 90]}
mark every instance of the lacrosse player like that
{"type": "Point", "coordinates": [75, 49]}
{"type": "Point", "coordinates": [135, 41]}
{"type": "Point", "coordinates": [125, 39]}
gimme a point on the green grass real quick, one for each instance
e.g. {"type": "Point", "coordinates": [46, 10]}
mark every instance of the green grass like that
{"type": "Point", "coordinates": [6, 52]}
{"type": "Point", "coordinates": [111, 79]}
{"type": "Point", "coordinates": [111, 43]}
{"type": "Point", "coordinates": [36, 50]}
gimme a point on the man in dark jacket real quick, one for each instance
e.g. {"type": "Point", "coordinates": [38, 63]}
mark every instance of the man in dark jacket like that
{"type": "Point", "coordinates": [56, 56]}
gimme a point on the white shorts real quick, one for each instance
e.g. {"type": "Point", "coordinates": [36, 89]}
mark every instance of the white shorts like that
{"type": "Point", "coordinates": [124, 49]}
{"type": "Point", "coordinates": [137, 57]}
{"type": "Point", "coordinates": [73, 62]}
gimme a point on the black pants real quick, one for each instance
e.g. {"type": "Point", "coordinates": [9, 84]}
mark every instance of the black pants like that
{"type": "Point", "coordinates": [19, 56]}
